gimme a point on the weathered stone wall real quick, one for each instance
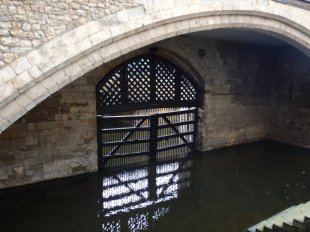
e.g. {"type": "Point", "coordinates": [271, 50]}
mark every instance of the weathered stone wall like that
{"type": "Point", "coordinates": [239, 89]}
{"type": "Point", "coordinates": [55, 139]}
{"type": "Point", "coordinates": [238, 108]}
{"type": "Point", "coordinates": [36, 75]}
{"type": "Point", "coordinates": [293, 98]}
{"type": "Point", "coordinates": [27, 24]}
{"type": "Point", "coordinates": [58, 138]}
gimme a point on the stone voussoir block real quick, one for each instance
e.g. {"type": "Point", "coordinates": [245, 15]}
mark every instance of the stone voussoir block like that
{"type": "Point", "coordinates": [73, 71]}
{"type": "Point", "coordinates": [118, 32]}
{"type": "Point", "coordinates": [7, 93]}
{"type": "Point", "coordinates": [94, 27]}
{"type": "Point", "coordinates": [25, 101]}
{"type": "Point", "coordinates": [69, 53]}
{"type": "Point", "coordinates": [6, 73]}
{"type": "Point", "coordinates": [41, 59]}
{"type": "Point", "coordinates": [38, 93]}
{"type": "Point", "coordinates": [20, 65]}
{"type": "Point", "coordinates": [61, 78]}
{"type": "Point", "coordinates": [12, 111]}
{"type": "Point", "coordinates": [50, 84]}
{"type": "Point", "coordinates": [113, 50]}
{"type": "Point", "coordinates": [101, 38]}
{"type": "Point", "coordinates": [4, 124]}
{"type": "Point", "coordinates": [23, 82]}
{"type": "Point", "coordinates": [85, 64]}
{"type": "Point", "coordinates": [36, 73]}
{"type": "Point", "coordinates": [96, 58]}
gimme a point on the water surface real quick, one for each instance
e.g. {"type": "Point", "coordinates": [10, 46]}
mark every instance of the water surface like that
{"type": "Point", "coordinates": [224, 190]}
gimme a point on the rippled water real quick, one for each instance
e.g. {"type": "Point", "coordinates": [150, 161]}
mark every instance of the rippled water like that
{"type": "Point", "coordinates": [220, 191]}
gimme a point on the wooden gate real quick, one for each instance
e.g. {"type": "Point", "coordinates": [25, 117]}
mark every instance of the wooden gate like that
{"type": "Point", "coordinates": [144, 137]}
{"type": "Point", "coordinates": [146, 82]}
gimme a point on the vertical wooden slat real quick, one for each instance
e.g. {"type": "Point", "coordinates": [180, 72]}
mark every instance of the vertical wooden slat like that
{"type": "Point", "coordinates": [195, 129]}
{"type": "Point", "coordinates": [99, 142]}
{"type": "Point", "coordinates": [153, 78]}
{"type": "Point", "coordinates": [153, 136]}
{"type": "Point", "coordinates": [124, 84]}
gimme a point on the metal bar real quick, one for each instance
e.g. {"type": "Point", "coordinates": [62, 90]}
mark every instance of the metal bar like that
{"type": "Point", "coordinates": [127, 129]}
{"type": "Point", "coordinates": [126, 155]}
{"type": "Point", "coordinates": [178, 112]}
{"type": "Point", "coordinates": [174, 135]}
{"type": "Point", "coordinates": [147, 105]}
{"type": "Point", "coordinates": [188, 144]}
{"type": "Point", "coordinates": [182, 111]}
{"type": "Point", "coordinates": [170, 124]}
{"type": "Point", "coordinates": [126, 142]}
{"type": "Point", "coordinates": [124, 117]}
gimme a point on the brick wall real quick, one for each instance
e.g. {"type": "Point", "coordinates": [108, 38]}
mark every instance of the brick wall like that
{"type": "Point", "coordinates": [55, 139]}
{"type": "Point", "coordinates": [293, 98]}
{"type": "Point", "coordinates": [58, 137]}
{"type": "Point", "coordinates": [239, 89]}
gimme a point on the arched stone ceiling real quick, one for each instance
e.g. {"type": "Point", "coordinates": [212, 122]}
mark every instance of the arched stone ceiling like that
{"type": "Point", "coordinates": [32, 78]}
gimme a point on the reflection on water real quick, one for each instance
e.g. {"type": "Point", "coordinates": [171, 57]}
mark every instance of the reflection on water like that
{"type": "Point", "coordinates": [146, 188]}
{"type": "Point", "coordinates": [221, 191]}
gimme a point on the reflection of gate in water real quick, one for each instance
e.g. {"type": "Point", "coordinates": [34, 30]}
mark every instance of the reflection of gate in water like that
{"type": "Point", "coordinates": [143, 192]}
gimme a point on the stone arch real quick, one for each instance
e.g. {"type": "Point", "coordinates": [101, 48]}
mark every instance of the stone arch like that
{"type": "Point", "coordinates": [165, 53]}
{"type": "Point", "coordinates": [32, 78]}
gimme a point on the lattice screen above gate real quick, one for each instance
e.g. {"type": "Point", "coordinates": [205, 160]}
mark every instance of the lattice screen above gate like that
{"type": "Point", "coordinates": [147, 81]}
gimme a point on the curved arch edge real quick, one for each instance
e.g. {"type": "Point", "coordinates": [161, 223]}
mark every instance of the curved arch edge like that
{"type": "Point", "coordinates": [31, 79]}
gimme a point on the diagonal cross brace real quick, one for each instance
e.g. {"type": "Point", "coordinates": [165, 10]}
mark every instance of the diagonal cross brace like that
{"type": "Point", "coordinates": [172, 178]}
{"type": "Point", "coordinates": [176, 130]}
{"type": "Point", "coordinates": [126, 137]}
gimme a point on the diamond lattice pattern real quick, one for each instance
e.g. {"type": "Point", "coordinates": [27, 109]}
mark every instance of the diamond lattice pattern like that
{"type": "Point", "coordinates": [110, 92]}
{"type": "Point", "coordinates": [188, 91]}
{"type": "Point", "coordinates": [147, 79]}
{"type": "Point", "coordinates": [165, 81]}
{"type": "Point", "coordinates": [139, 81]}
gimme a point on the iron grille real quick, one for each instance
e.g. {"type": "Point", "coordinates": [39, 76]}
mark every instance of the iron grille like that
{"type": "Point", "coordinates": [147, 81]}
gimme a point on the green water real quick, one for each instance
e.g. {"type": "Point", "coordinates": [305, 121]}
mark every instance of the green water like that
{"type": "Point", "coordinates": [221, 191]}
